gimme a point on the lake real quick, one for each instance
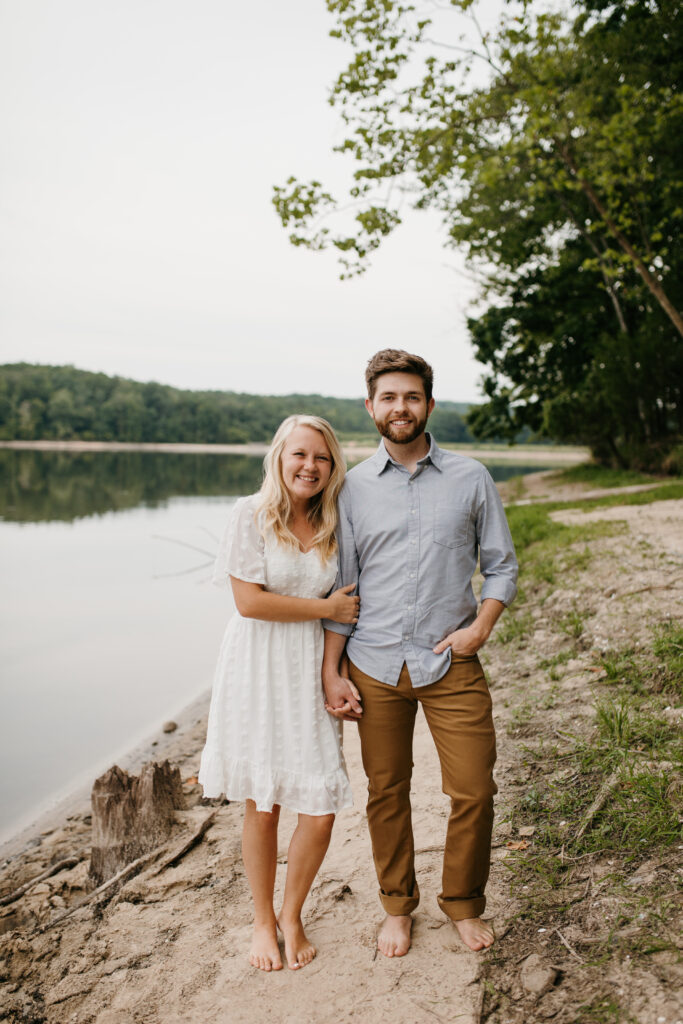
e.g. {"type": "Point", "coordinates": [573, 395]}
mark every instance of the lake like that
{"type": "Point", "coordinates": [109, 624]}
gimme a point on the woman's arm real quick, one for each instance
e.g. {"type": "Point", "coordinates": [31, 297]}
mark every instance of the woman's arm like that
{"type": "Point", "coordinates": [253, 602]}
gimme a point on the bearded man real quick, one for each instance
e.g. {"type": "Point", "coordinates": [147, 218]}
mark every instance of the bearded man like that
{"type": "Point", "coordinates": [413, 521]}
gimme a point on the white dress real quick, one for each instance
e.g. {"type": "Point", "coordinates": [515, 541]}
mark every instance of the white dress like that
{"type": "Point", "coordinates": [269, 737]}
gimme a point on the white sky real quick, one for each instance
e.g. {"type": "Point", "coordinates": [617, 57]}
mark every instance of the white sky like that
{"type": "Point", "coordinates": [141, 142]}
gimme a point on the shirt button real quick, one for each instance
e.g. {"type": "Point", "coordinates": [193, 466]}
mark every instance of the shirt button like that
{"type": "Point", "coordinates": [412, 575]}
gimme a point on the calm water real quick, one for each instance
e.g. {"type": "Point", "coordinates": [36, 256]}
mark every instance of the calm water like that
{"type": "Point", "coordinates": [109, 624]}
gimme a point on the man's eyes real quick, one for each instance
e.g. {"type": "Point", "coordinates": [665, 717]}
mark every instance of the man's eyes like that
{"type": "Point", "coordinates": [407, 398]}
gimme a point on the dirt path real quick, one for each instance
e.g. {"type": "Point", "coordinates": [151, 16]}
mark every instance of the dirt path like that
{"type": "Point", "coordinates": [172, 947]}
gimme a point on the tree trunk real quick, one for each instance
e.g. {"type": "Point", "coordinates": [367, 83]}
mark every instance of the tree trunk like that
{"type": "Point", "coordinates": [131, 815]}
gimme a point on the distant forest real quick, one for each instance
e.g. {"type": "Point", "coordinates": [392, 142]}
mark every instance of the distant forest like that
{"type": "Point", "coordinates": [63, 403]}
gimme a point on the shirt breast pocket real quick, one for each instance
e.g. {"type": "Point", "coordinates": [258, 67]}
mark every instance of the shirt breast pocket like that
{"type": "Point", "coordinates": [452, 525]}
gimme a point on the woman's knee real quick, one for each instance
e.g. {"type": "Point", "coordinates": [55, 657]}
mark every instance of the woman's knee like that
{"type": "Point", "coordinates": [264, 820]}
{"type": "Point", "coordinates": [318, 825]}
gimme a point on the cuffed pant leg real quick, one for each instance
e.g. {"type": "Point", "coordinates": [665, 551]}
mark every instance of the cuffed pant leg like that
{"type": "Point", "coordinates": [386, 736]}
{"type": "Point", "coordinates": [458, 712]}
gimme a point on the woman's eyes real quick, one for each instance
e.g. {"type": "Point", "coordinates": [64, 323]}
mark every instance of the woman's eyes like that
{"type": "Point", "coordinates": [302, 455]}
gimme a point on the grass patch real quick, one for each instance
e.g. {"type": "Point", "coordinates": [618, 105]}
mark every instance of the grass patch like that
{"type": "Point", "coordinates": [612, 797]}
{"type": "Point", "coordinates": [514, 628]}
{"type": "Point", "coordinates": [552, 665]}
{"type": "Point", "coordinates": [665, 492]}
{"type": "Point", "coordinates": [600, 476]}
{"type": "Point", "coordinates": [603, 1010]}
{"type": "Point", "coordinates": [658, 669]}
{"type": "Point", "coordinates": [543, 546]}
{"type": "Point", "coordinates": [572, 623]}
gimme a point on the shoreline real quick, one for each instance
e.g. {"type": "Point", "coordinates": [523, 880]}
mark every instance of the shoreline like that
{"type": "Point", "coordinates": [74, 798]}
{"type": "Point", "coordinates": [561, 455]}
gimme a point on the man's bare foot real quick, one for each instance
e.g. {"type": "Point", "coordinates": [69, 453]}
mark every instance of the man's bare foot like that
{"type": "Point", "coordinates": [394, 935]}
{"type": "Point", "coordinates": [298, 950]}
{"type": "Point", "coordinates": [475, 933]}
{"type": "Point", "coordinates": [265, 952]}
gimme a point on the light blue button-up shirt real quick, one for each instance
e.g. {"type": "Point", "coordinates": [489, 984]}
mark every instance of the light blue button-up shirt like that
{"type": "Point", "coordinates": [412, 540]}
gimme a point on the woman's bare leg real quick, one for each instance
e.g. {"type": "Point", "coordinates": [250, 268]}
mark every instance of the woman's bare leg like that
{"type": "Point", "coordinates": [306, 851]}
{"type": "Point", "coordinates": [259, 853]}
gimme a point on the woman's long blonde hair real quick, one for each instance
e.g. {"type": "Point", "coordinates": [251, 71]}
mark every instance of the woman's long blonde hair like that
{"type": "Point", "coordinates": [276, 506]}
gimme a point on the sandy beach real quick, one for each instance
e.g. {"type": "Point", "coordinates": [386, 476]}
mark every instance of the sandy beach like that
{"type": "Point", "coordinates": [526, 454]}
{"type": "Point", "coordinates": [171, 945]}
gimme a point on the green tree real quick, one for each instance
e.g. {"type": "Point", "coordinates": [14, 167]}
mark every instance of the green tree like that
{"type": "Point", "coordinates": [567, 155]}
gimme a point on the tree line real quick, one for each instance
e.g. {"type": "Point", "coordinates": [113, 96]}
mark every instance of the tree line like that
{"type": "Point", "coordinates": [63, 403]}
{"type": "Point", "coordinates": [559, 177]}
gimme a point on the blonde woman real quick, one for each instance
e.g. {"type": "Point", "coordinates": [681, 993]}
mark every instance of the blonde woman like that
{"type": "Point", "coordinates": [270, 741]}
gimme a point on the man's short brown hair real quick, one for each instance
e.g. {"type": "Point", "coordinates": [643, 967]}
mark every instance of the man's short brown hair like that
{"type": "Point", "coordinates": [395, 360]}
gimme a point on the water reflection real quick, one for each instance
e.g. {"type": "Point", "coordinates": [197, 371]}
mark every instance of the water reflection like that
{"type": "Point", "coordinates": [40, 486]}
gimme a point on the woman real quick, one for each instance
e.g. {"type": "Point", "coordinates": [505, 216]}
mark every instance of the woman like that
{"type": "Point", "coordinates": [270, 741]}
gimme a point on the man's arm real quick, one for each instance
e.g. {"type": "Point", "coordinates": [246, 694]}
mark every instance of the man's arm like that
{"type": "Point", "coordinates": [498, 566]}
{"type": "Point", "coordinates": [342, 699]}
{"type": "Point", "coordinates": [341, 696]}
{"type": "Point", "coordinates": [466, 642]}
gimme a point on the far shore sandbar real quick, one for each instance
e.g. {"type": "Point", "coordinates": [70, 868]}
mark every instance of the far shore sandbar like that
{"type": "Point", "coordinates": [546, 455]}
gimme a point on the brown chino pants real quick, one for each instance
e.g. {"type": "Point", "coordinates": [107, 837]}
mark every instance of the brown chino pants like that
{"type": "Point", "coordinates": [458, 713]}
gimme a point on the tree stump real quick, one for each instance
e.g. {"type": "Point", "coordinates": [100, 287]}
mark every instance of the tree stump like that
{"type": "Point", "coordinates": [131, 815]}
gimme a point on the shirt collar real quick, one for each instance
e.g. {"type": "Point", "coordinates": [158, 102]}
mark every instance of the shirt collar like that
{"type": "Point", "coordinates": [382, 458]}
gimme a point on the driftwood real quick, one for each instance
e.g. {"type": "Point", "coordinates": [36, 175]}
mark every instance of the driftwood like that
{"type": "Point", "coordinates": [598, 804]}
{"type": "Point", "coordinates": [121, 876]}
{"type": "Point", "coordinates": [185, 847]}
{"type": "Point", "coordinates": [130, 870]}
{"type": "Point", "coordinates": [131, 815]}
{"type": "Point", "coordinates": [570, 948]}
{"type": "Point", "coordinates": [62, 865]}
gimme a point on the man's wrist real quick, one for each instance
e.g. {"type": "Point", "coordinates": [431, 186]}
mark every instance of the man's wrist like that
{"type": "Point", "coordinates": [481, 630]}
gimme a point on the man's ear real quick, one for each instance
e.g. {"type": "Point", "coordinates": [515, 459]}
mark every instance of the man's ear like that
{"type": "Point", "coordinates": [430, 407]}
{"type": "Point", "coordinates": [368, 406]}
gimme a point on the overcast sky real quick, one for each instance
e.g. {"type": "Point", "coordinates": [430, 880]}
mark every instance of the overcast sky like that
{"type": "Point", "coordinates": [141, 142]}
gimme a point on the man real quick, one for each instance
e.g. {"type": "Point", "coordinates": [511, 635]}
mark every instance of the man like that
{"type": "Point", "coordinates": [412, 521]}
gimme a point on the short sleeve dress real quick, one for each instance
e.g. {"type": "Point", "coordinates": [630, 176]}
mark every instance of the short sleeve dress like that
{"type": "Point", "coordinates": [269, 738]}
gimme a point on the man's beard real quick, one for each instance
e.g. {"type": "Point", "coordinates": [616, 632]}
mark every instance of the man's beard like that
{"type": "Point", "coordinates": [387, 430]}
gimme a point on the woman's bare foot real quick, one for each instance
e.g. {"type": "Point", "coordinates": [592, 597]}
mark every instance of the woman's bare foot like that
{"type": "Point", "coordinates": [265, 952]}
{"type": "Point", "coordinates": [475, 933]}
{"type": "Point", "coordinates": [394, 935]}
{"type": "Point", "coordinates": [298, 950]}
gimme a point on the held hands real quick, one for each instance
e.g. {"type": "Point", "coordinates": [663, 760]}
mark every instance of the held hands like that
{"type": "Point", "coordinates": [463, 643]}
{"type": "Point", "coordinates": [342, 699]}
{"type": "Point", "coordinates": [343, 607]}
